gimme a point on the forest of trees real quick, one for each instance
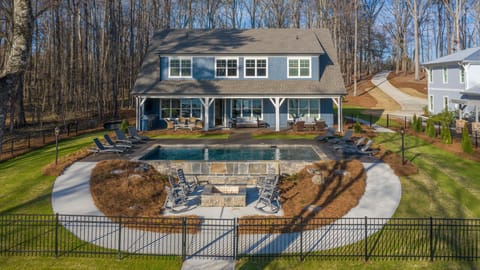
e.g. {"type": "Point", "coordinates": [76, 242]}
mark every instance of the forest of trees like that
{"type": "Point", "coordinates": [85, 54]}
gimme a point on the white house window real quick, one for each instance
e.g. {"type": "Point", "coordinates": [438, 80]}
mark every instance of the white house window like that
{"type": "Point", "coordinates": [303, 108]}
{"type": "Point", "coordinates": [462, 75]}
{"type": "Point", "coordinates": [174, 108]}
{"type": "Point", "coordinates": [180, 67]}
{"type": "Point", "coordinates": [226, 67]}
{"type": "Point", "coordinates": [299, 67]}
{"type": "Point", "coordinates": [251, 108]}
{"type": "Point", "coordinates": [430, 103]}
{"type": "Point", "coordinates": [256, 67]}
{"type": "Point", "coordinates": [445, 75]}
{"type": "Point", "coordinates": [445, 103]}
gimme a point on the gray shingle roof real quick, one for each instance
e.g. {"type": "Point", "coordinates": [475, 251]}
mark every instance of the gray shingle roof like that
{"type": "Point", "coordinates": [206, 42]}
{"type": "Point", "coordinates": [467, 55]}
{"type": "Point", "coordinates": [264, 41]}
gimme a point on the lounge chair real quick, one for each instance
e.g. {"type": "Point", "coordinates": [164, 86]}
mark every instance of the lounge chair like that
{"type": "Point", "coordinates": [177, 189]}
{"type": "Point", "coordinates": [356, 145]}
{"type": "Point", "coordinates": [172, 199]}
{"type": "Point", "coordinates": [132, 131]}
{"type": "Point", "coordinates": [362, 150]}
{"type": "Point", "coordinates": [330, 134]}
{"type": "Point", "coordinates": [347, 137]}
{"type": "Point", "coordinates": [111, 144]}
{"type": "Point", "coordinates": [122, 138]}
{"type": "Point", "coordinates": [182, 181]}
{"type": "Point", "coordinates": [268, 196]}
{"type": "Point", "coordinates": [102, 149]}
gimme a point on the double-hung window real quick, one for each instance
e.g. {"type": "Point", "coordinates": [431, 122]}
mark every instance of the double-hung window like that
{"type": "Point", "coordinates": [303, 108]}
{"type": "Point", "coordinates": [255, 67]}
{"type": "Point", "coordinates": [299, 67]}
{"type": "Point", "coordinates": [180, 67]}
{"type": "Point", "coordinates": [174, 108]}
{"type": "Point", "coordinates": [250, 108]}
{"type": "Point", "coordinates": [462, 74]}
{"type": "Point", "coordinates": [226, 67]}
{"type": "Point", "coordinates": [445, 75]}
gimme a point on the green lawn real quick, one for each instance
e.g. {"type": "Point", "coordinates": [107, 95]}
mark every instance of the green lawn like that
{"type": "Point", "coordinates": [191, 136]}
{"type": "Point", "coordinates": [447, 186]}
{"type": "Point", "coordinates": [373, 115]}
{"type": "Point", "coordinates": [275, 136]}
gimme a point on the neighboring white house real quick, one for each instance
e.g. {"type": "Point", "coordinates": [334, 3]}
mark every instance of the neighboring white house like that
{"type": "Point", "coordinates": [454, 83]}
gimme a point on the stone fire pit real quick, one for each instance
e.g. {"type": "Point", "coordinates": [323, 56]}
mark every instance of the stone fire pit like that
{"type": "Point", "coordinates": [224, 195]}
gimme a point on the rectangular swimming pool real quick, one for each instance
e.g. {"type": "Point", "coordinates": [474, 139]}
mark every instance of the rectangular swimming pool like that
{"type": "Point", "coordinates": [231, 153]}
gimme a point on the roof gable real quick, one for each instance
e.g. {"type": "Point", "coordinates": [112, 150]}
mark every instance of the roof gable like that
{"type": "Point", "coordinates": [252, 41]}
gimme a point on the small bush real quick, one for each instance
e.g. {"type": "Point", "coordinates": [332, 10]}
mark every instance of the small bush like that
{"type": "Point", "coordinates": [358, 127]}
{"type": "Point", "coordinates": [124, 125]}
{"type": "Point", "coordinates": [425, 111]}
{"type": "Point", "coordinates": [446, 135]}
{"type": "Point", "coordinates": [430, 129]}
{"type": "Point", "coordinates": [417, 123]}
{"type": "Point", "coordinates": [467, 146]}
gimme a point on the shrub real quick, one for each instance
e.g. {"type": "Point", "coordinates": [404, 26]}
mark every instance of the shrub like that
{"type": "Point", "coordinates": [358, 127]}
{"type": "Point", "coordinates": [417, 123]}
{"type": "Point", "coordinates": [430, 129]}
{"type": "Point", "coordinates": [446, 135]}
{"type": "Point", "coordinates": [467, 146]}
{"type": "Point", "coordinates": [124, 125]}
{"type": "Point", "coordinates": [425, 111]}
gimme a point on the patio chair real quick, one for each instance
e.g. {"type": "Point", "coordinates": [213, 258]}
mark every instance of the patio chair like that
{"type": "Point", "coordinates": [330, 134]}
{"type": "Point", "coordinates": [102, 149]}
{"type": "Point", "coordinates": [121, 137]}
{"type": "Point", "coordinates": [268, 197]}
{"type": "Point", "coordinates": [299, 126]}
{"type": "Point", "coordinates": [182, 181]}
{"type": "Point", "coordinates": [132, 131]}
{"type": "Point", "coordinates": [356, 145]}
{"type": "Point", "coordinates": [177, 190]}
{"type": "Point", "coordinates": [367, 150]}
{"type": "Point", "coordinates": [172, 200]}
{"type": "Point", "coordinates": [111, 144]}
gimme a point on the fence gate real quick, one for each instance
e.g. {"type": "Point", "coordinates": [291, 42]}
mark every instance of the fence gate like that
{"type": "Point", "coordinates": [209, 238]}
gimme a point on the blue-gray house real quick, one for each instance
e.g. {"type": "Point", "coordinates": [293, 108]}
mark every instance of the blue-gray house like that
{"type": "Point", "coordinates": [272, 75]}
{"type": "Point", "coordinates": [454, 82]}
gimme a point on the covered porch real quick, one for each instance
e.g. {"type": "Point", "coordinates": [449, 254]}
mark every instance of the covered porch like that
{"type": "Point", "coordinates": [220, 111]}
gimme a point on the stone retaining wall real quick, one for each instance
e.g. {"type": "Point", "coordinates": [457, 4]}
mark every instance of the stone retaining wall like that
{"type": "Point", "coordinates": [230, 172]}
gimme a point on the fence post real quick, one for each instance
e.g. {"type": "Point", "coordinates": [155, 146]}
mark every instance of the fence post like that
{"type": "Point", "coordinates": [120, 238]}
{"type": "Point", "coordinates": [43, 137]}
{"type": "Point", "coordinates": [184, 238]}
{"type": "Point", "coordinates": [301, 239]}
{"type": "Point", "coordinates": [11, 146]}
{"type": "Point", "coordinates": [28, 136]}
{"type": "Point", "coordinates": [431, 239]}
{"type": "Point", "coordinates": [56, 235]}
{"type": "Point", "coordinates": [370, 120]}
{"type": "Point", "coordinates": [405, 123]}
{"type": "Point", "coordinates": [388, 120]}
{"type": "Point", "coordinates": [76, 128]}
{"type": "Point", "coordinates": [235, 238]}
{"type": "Point", "coordinates": [366, 241]}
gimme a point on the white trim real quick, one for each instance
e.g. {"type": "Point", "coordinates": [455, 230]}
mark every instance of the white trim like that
{"type": "Point", "coordinates": [233, 97]}
{"type": "Point", "coordinates": [446, 89]}
{"type": "Point", "coordinates": [430, 75]}
{"type": "Point", "coordinates": [298, 58]}
{"type": "Point", "coordinates": [431, 103]}
{"type": "Point", "coordinates": [180, 58]}
{"type": "Point", "coordinates": [255, 58]}
{"type": "Point", "coordinates": [226, 67]}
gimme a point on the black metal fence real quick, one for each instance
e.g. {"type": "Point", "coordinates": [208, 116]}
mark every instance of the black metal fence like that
{"type": "Point", "coordinates": [345, 238]}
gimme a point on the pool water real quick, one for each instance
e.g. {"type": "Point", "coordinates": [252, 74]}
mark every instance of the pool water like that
{"type": "Point", "coordinates": [232, 154]}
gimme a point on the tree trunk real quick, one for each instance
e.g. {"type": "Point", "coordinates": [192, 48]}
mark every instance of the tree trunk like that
{"type": "Point", "coordinates": [12, 76]}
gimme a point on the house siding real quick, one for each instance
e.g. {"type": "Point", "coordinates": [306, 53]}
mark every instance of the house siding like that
{"type": "Point", "coordinates": [203, 68]}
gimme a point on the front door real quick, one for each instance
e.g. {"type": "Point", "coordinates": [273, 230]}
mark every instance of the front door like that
{"type": "Point", "coordinates": [219, 111]}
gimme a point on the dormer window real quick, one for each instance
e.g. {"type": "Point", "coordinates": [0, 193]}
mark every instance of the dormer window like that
{"type": "Point", "coordinates": [299, 67]}
{"type": "Point", "coordinates": [226, 67]}
{"type": "Point", "coordinates": [180, 67]}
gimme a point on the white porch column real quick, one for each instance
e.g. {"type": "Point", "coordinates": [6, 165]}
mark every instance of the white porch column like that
{"type": "Point", "coordinates": [338, 102]}
{"type": "Point", "coordinates": [206, 102]}
{"type": "Point", "coordinates": [476, 113]}
{"type": "Point", "coordinates": [277, 102]}
{"type": "Point", "coordinates": [137, 114]}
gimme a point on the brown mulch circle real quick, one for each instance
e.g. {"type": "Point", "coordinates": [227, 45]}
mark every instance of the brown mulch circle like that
{"type": "Point", "coordinates": [135, 191]}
